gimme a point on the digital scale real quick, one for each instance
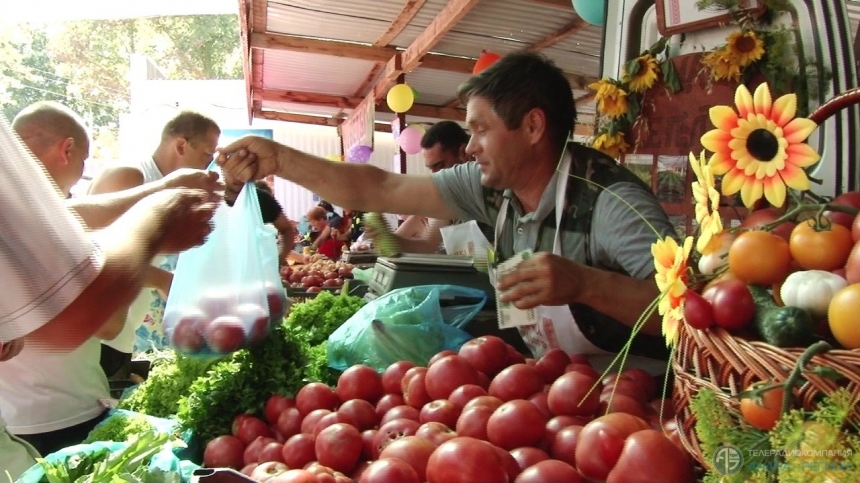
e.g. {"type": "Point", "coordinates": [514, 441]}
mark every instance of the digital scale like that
{"type": "Point", "coordinates": [409, 270]}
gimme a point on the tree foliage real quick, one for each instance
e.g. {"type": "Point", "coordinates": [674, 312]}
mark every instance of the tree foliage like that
{"type": "Point", "coordinates": [85, 64]}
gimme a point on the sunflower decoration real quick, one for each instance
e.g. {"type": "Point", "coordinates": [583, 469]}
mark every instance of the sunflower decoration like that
{"type": "Point", "coordinates": [761, 148]}
{"type": "Point", "coordinates": [707, 202]}
{"type": "Point", "coordinates": [613, 144]}
{"type": "Point", "coordinates": [611, 97]}
{"type": "Point", "coordinates": [743, 48]}
{"type": "Point", "coordinates": [640, 74]}
{"type": "Point", "coordinates": [672, 276]}
{"type": "Point", "coordinates": [722, 66]}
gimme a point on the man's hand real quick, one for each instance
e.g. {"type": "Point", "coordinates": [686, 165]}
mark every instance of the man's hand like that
{"type": "Point", "coordinates": [11, 349]}
{"type": "Point", "coordinates": [250, 158]}
{"type": "Point", "coordinates": [194, 179]}
{"type": "Point", "coordinates": [181, 216]}
{"type": "Point", "coordinates": [542, 279]}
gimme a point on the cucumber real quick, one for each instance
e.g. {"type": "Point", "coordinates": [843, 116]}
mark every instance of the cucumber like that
{"type": "Point", "coordinates": [385, 243]}
{"type": "Point", "coordinates": [781, 326]}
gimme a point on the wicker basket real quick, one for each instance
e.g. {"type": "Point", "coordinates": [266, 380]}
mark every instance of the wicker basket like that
{"type": "Point", "coordinates": [716, 360]}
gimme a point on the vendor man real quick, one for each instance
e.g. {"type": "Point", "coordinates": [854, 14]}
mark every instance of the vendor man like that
{"type": "Point", "coordinates": [593, 277]}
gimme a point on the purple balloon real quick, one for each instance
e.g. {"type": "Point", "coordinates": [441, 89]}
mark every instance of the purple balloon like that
{"type": "Point", "coordinates": [360, 153]}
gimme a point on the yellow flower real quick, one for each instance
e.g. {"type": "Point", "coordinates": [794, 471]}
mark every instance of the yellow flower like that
{"type": "Point", "coordinates": [612, 144]}
{"type": "Point", "coordinates": [761, 148]}
{"type": "Point", "coordinates": [707, 201]}
{"type": "Point", "coordinates": [744, 47]}
{"type": "Point", "coordinates": [722, 65]}
{"type": "Point", "coordinates": [670, 260]}
{"type": "Point", "coordinates": [645, 77]}
{"type": "Point", "coordinates": [611, 99]}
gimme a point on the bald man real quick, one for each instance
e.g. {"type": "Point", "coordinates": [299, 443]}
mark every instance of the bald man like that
{"type": "Point", "coordinates": [57, 136]}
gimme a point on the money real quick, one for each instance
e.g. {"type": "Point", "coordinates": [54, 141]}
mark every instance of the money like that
{"type": "Point", "coordinates": [508, 315]}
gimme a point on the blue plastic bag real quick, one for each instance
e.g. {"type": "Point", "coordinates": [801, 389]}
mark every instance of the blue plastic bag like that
{"type": "Point", "coordinates": [164, 460]}
{"type": "Point", "coordinates": [164, 426]}
{"type": "Point", "coordinates": [224, 296]}
{"type": "Point", "coordinates": [411, 324]}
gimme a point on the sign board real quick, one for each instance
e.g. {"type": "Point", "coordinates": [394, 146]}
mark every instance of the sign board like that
{"type": "Point", "coordinates": [679, 16]}
{"type": "Point", "coordinates": [358, 127]}
{"type": "Point", "coordinates": [672, 123]}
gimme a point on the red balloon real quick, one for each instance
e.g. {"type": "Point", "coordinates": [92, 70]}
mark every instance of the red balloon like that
{"type": "Point", "coordinates": [486, 59]}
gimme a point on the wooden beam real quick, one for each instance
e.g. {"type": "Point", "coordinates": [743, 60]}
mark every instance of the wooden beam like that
{"type": "Point", "coordinates": [369, 79]}
{"type": "Point", "coordinates": [583, 129]}
{"type": "Point", "coordinates": [245, 52]}
{"type": "Point", "coordinates": [571, 28]}
{"type": "Point", "coordinates": [259, 15]}
{"type": "Point", "coordinates": [407, 13]}
{"type": "Point", "coordinates": [583, 98]}
{"type": "Point", "coordinates": [562, 4]}
{"type": "Point", "coordinates": [292, 117]}
{"type": "Point", "coordinates": [424, 110]}
{"type": "Point", "coordinates": [298, 97]}
{"type": "Point", "coordinates": [410, 58]}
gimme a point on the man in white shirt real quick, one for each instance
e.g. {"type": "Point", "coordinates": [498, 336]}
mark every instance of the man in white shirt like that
{"type": "Point", "coordinates": [188, 140]}
{"type": "Point", "coordinates": [61, 283]}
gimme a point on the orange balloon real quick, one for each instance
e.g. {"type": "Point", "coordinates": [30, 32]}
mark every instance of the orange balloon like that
{"type": "Point", "coordinates": [486, 59]}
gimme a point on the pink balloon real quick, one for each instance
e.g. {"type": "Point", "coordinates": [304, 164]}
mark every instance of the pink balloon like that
{"type": "Point", "coordinates": [410, 140]}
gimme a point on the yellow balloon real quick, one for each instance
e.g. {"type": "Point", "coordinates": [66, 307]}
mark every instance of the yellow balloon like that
{"type": "Point", "coordinates": [400, 98]}
{"type": "Point", "coordinates": [334, 157]}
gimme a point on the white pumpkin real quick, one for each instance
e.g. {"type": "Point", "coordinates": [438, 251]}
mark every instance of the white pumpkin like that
{"type": "Point", "coordinates": [811, 290]}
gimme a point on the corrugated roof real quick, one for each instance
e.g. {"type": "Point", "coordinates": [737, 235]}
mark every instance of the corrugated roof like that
{"type": "Point", "coordinates": [313, 72]}
{"type": "Point", "coordinates": [354, 21]}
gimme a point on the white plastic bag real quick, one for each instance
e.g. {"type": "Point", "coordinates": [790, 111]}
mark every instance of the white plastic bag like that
{"type": "Point", "coordinates": [465, 239]}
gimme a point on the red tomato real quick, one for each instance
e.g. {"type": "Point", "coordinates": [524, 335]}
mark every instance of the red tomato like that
{"type": "Point", "coordinates": [512, 467]}
{"type": "Point", "coordinates": [528, 456]}
{"type": "Point", "coordinates": [441, 411]}
{"type": "Point", "coordinates": [643, 379]}
{"type": "Point", "coordinates": [733, 304]}
{"type": "Point", "coordinates": [224, 452]}
{"type": "Point", "coordinates": [488, 354]}
{"type": "Point", "coordinates": [250, 428]}
{"type": "Point", "coordinates": [237, 422]}
{"type": "Point", "coordinates": [252, 451]}
{"type": "Point", "coordinates": [466, 460]}
{"type": "Point", "coordinates": [408, 375]}
{"type": "Point", "coordinates": [436, 433]}
{"type": "Point", "coordinates": [440, 355]}
{"type": "Point", "coordinates": [601, 441]}
{"type": "Point", "coordinates": [551, 366]}
{"type": "Point", "coordinates": [393, 430]}
{"type": "Point", "coordinates": [550, 470]}
{"type": "Point", "coordinates": [339, 446]}
{"type": "Point", "coordinates": [563, 447]}
{"type": "Point", "coordinates": [362, 412]}
{"type": "Point", "coordinates": [389, 470]}
{"type": "Point", "coordinates": [387, 402]}
{"type": "Point", "coordinates": [514, 356]}
{"type": "Point", "coordinates": [569, 395]}
{"type": "Point", "coordinates": [447, 374]}
{"type": "Point", "coordinates": [539, 399]}
{"type": "Point", "coordinates": [764, 413]}
{"type": "Point", "coordinates": [698, 312]}
{"type": "Point", "coordinates": [556, 424]}
{"type": "Point", "coordinates": [515, 424]}
{"type": "Point", "coordinates": [473, 422]}
{"type": "Point", "coordinates": [641, 450]}
{"type": "Point", "coordinates": [621, 403]}
{"type": "Point", "coordinates": [758, 218]}
{"type": "Point", "coordinates": [295, 476]}
{"type": "Point", "coordinates": [359, 382]}
{"type": "Point", "coordinates": [413, 450]}
{"type": "Point", "coordinates": [850, 199]}
{"type": "Point", "coordinates": [275, 405]}
{"type": "Point", "coordinates": [316, 395]}
{"type": "Point", "coordinates": [855, 229]}
{"type": "Point", "coordinates": [299, 450]}
{"type": "Point", "coordinates": [332, 418]}
{"type": "Point", "coordinates": [272, 451]}
{"type": "Point", "coordinates": [463, 394]}
{"type": "Point", "coordinates": [400, 412]}
{"type": "Point", "coordinates": [518, 381]}
{"type": "Point", "coordinates": [852, 266]}
{"type": "Point", "coordinates": [393, 375]}
{"type": "Point", "coordinates": [416, 391]}
{"type": "Point", "coordinates": [310, 421]}
{"type": "Point", "coordinates": [490, 401]}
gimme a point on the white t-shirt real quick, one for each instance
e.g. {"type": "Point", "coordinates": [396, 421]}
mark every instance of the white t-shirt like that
{"type": "Point", "coordinates": [40, 392]}
{"type": "Point", "coordinates": [46, 257]}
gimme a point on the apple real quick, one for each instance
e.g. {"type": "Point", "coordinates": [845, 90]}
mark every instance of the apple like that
{"type": "Point", "coordinates": [277, 300]}
{"type": "Point", "coordinates": [186, 335]}
{"type": "Point", "coordinates": [255, 317]}
{"type": "Point", "coordinates": [217, 302]}
{"type": "Point", "coordinates": [225, 334]}
{"type": "Point", "coordinates": [267, 470]}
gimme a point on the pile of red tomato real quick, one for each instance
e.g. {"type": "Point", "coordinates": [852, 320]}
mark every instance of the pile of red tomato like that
{"type": "Point", "coordinates": [804, 254]}
{"type": "Point", "coordinates": [484, 414]}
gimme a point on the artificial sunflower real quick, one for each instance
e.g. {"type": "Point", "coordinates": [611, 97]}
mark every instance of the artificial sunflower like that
{"type": "Point", "coordinates": [722, 66]}
{"type": "Point", "coordinates": [612, 144]}
{"type": "Point", "coordinates": [645, 76]}
{"type": "Point", "coordinates": [707, 201]}
{"type": "Point", "coordinates": [611, 98]}
{"type": "Point", "coordinates": [761, 148]}
{"type": "Point", "coordinates": [670, 260]}
{"type": "Point", "coordinates": [745, 47]}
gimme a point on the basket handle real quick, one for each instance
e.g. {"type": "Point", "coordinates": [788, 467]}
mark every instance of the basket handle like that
{"type": "Point", "coordinates": [834, 105]}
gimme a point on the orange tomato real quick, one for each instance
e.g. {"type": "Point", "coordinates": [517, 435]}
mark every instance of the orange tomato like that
{"type": "Point", "coordinates": [759, 258]}
{"type": "Point", "coordinates": [763, 413]}
{"type": "Point", "coordinates": [820, 249]}
{"type": "Point", "coordinates": [842, 316]}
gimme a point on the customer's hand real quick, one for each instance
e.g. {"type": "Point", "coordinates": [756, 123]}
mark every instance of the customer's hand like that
{"type": "Point", "coordinates": [193, 178]}
{"type": "Point", "coordinates": [542, 279]}
{"type": "Point", "coordinates": [182, 217]}
{"type": "Point", "coordinates": [11, 349]}
{"type": "Point", "coordinates": [251, 158]}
